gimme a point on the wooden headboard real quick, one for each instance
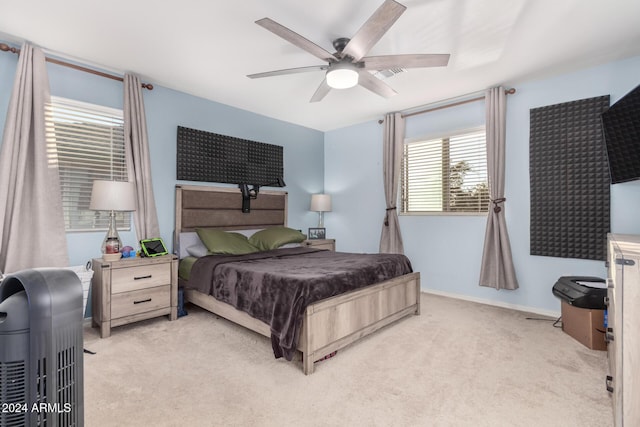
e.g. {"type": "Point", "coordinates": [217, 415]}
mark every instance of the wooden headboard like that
{"type": "Point", "coordinates": [221, 207]}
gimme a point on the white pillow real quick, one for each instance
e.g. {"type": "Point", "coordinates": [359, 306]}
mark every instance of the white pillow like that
{"type": "Point", "coordinates": [198, 250]}
{"type": "Point", "coordinates": [290, 245]}
{"type": "Point", "coordinates": [247, 233]}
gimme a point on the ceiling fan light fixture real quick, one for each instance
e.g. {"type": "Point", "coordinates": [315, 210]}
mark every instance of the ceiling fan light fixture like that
{"type": "Point", "coordinates": [349, 65]}
{"type": "Point", "coordinates": [342, 76]}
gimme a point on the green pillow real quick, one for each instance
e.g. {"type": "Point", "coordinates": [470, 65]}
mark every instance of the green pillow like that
{"type": "Point", "coordinates": [274, 237]}
{"type": "Point", "coordinates": [224, 242]}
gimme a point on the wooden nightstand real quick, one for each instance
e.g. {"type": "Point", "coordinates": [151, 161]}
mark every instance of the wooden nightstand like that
{"type": "Point", "coordinates": [321, 243]}
{"type": "Point", "coordinates": [133, 289]}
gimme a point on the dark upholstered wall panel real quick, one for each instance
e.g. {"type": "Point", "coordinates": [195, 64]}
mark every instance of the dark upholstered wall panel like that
{"type": "Point", "coordinates": [211, 157]}
{"type": "Point", "coordinates": [206, 206]}
{"type": "Point", "coordinates": [569, 177]}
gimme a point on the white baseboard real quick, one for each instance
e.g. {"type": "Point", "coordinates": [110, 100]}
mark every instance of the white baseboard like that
{"type": "Point", "coordinates": [550, 313]}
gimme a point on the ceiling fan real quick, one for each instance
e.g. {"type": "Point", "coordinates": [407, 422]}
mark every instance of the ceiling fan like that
{"type": "Point", "coordinates": [349, 66]}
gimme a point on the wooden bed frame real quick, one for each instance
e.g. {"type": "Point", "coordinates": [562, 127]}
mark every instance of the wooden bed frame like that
{"type": "Point", "coordinates": [329, 324]}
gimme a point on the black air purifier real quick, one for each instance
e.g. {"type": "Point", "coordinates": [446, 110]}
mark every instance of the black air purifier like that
{"type": "Point", "coordinates": [41, 355]}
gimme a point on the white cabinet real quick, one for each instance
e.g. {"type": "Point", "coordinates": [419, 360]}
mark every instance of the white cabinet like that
{"type": "Point", "coordinates": [623, 329]}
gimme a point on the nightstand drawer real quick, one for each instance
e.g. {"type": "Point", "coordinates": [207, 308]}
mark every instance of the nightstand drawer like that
{"type": "Point", "coordinates": [329, 244]}
{"type": "Point", "coordinates": [140, 277]}
{"type": "Point", "coordinates": [135, 302]}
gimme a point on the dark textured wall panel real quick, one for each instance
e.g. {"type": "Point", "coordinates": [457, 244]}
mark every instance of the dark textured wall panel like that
{"type": "Point", "coordinates": [569, 177]}
{"type": "Point", "coordinates": [622, 134]}
{"type": "Point", "coordinates": [211, 157]}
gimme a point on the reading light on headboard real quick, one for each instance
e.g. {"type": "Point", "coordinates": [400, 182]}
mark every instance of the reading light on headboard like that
{"type": "Point", "coordinates": [252, 193]}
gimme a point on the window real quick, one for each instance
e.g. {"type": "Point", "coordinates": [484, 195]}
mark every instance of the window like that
{"type": "Point", "coordinates": [445, 175]}
{"type": "Point", "coordinates": [87, 143]}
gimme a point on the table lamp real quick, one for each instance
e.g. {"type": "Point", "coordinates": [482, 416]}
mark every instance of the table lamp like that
{"type": "Point", "coordinates": [321, 203]}
{"type": "Point", "coordinates": [112, 196]}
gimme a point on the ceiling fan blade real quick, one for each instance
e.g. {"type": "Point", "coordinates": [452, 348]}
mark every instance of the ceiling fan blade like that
{"type": "Point", "coordinates": [321, 92]}
{"type": "Point", "coordinates": [375, 85]}
{"type": "Point", "coordinates": [387, 62]}
{"type": "Point", "coordinates": [288, 71]}
{"type": "Point", "coordinates": [296, 39]}
{"type": "Point", "coordinates": [373, 30]}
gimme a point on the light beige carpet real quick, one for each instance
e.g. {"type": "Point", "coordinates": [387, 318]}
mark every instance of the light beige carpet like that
{"type": "Point", "coordinates": [458, 364]}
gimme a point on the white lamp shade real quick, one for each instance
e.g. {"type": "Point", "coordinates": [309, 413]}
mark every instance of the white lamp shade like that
{"type": "Point", "coordinates": [321, 203]}
{"type": "Point", "coordinates": [113, 196]}
{"type": "Point", "coordinates": [342, 78]}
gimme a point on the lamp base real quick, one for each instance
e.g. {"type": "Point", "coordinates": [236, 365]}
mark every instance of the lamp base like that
{"type": "Point", "coordinates": [112, 257]}
{"type": "Point", "coordinates": [321, 219]}
{"type": "Point", "coordinates": [111, 244]}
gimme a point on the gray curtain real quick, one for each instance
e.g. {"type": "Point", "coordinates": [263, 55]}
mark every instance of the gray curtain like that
{"type": "Point", "coordinates": [393, 140]}
{"type": "Point", "coordinates": [138, 160]}
{"type": "Point", "coordinates": [32, 232]}
{"type": "Point", "coordinates": [497, 269]}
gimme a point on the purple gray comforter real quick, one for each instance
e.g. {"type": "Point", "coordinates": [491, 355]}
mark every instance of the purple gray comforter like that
{"type": "Point", "coordinates": [277, 286]}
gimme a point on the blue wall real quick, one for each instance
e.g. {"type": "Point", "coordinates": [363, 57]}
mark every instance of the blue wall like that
{"type": "Point", "coordinates": [166, 109]}
{"type": "Point", "coordinates": [447, 250]}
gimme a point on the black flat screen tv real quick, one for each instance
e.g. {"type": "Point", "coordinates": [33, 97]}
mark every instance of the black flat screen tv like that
{"type": "Point", "coordinates": [621, 125]}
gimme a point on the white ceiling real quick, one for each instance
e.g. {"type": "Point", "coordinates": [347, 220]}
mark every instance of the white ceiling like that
{"type": "Point", "coordinates": [206, 48]}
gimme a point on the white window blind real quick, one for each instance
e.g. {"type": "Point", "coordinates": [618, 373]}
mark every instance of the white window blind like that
{"type": "Point", "coordinates": [445, 175]}
{"type": "Point", "coordinates": [87, 143]}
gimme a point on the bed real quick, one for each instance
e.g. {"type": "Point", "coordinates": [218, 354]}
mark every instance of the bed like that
{"type": "Point", "coordinates": [326, 325]}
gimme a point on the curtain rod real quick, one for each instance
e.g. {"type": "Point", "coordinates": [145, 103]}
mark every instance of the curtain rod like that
{"type": "Point", "coordinates": [6, 48]}
{"type": "Point", "coordinates": [453, 104]}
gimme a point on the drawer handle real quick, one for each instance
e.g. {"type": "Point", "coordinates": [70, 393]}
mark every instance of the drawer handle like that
{"type": "Point", "coordinates": [608, 383]}
{"type": "Point", "coordinates": [142, 301]}
{"type": "Point", "coordinates": [142, 277]}
{"type": "Point", "coordinates": [608, 337]}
